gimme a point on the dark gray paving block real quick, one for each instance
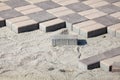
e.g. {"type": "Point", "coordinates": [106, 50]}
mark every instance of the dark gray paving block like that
{"type": "Point", "coordinates": [107, 20]}
{"type": "Point", "coordinates": [41, 16]}
{"type": "Point", "coordinates": [2, 22]}
{"type": "Point", "coordinates": [78, 7]}
{"type": "Point", "coordinates": [16, 3]}
{"type": "Point", "coordinates": [59, 40]}
{"type": "Point", "coordinates": [94, 61]}
{"type": "Point", "coordinates": [7, 14]}
{"type": "Point", "coordinates": [112, 1]}
{"type": "Point", "coordinates": [73, 19]}
{"type": "Point", "coordinates": [47, 5]}
{"type": "Point", "coordinates": [109, 8]}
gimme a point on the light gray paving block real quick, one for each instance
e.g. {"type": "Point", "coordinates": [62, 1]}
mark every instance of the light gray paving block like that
{"type": "Point", "coordinates": [25, 26]}
{"type": "Point", "coordinates": [16, 3]}
{"type": "Point", "coordinates": [112, 1]}
{"type": "Point", "coordinates": [47, 5]}
{"type": "Point", "coordinates": [107, 20]}
{"type": "Point", "coordinates": [41, 16]}
{"type": "Point", "coordinates": [11, 21]}
{"type": "Point", "coordinates": [2, 22]}
{"type": "Point", "coordinates": [7, 14]}
{"type": "Point", "coordinates": [94, 61]}
{"type": "Point", "coordinates": [112, 29]}
{"type": "Point", "coordinates": [118, 33]}
{"type": "Point", "coordinates": [73, 19]}
{"type": "Point", "coordinates": [116, 67]}
{"type": "Point", "coordinates": [109, 8]}
{"type": "Point", "coordinates": [106, 64]}
{"type": "Point", "coordinates": [52, 25]}
{"type": "Point", "coordinates": [59, 40]}
{"type": "Point", "coordinates": [78, 7]}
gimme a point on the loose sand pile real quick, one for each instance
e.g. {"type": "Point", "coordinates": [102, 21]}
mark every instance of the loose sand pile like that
{"type": "Point", "coordinates": [30, 56]}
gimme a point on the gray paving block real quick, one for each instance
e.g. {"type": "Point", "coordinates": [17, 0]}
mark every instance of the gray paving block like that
{"type": "Point", "coordinates": [59, 40]}
{"type": "Point", "coordinates": [7, 14]}
{"type": "Point", "coordinates": [25, 26]}
{"type": "Point", "coordinates": [73, 19]}
{"type": "Point", "coordinates": [52, 25]}
{"type": "Point", "coordinates": [112, 1]}
{"type": "Point", "coordinates": [115, 67]}
{"type": "Point", "coordinates": [16, 3]}
{"type": "Point", "coordinates": [47, 5]}
{"type": "Point", "coordinates": [2, 22]}
{"type": "Point", "coordinates": [94, 61]}
{"type": "Point", "coordinates": [109, 8]}
{"type": "Point", "coordinates": [118, 33]}
{"type": "Point", "coordinates": [41, 16]}
{"type": "Point", "coordinates": [78, 7]}
{"type": "Point", "coordinates": [107, 20]}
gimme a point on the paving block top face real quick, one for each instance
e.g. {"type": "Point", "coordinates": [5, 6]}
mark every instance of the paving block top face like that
{"type": "Point", "coordinates": [41, 16]}
{"type": "Point", "coordinates": [47, 5]}
{"type": "Point", "coordinates": [7, 14]}
{"type": "Point", "coordinates": [109, 8]}
{"type": "Point", "coordinates": [112, 1]}
{"type": "Point", "coordinates": [16, 3]}
{"type": "Point", "coordinates": [74, 18]}
{"type": "Point", "coordinates": [107, 20]}
{"type": "Point", "coordinates": [78, 7]}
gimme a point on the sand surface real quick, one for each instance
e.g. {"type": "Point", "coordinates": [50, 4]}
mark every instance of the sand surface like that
{"type": "Point", "coordinates": [30, 56]}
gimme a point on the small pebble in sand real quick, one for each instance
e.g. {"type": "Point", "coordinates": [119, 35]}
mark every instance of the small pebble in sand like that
{"type": "Point", "coordinates": [104, 36]}
{"type": "Point", "coordinates": [62, 70]}
{"type": "Point", "coordinates": [51, 69]}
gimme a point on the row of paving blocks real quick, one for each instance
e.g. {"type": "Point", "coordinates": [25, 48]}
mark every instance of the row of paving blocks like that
{"type": "Point", "coordinates": [24, 24]}
{"type": "Point", "coordinates": [108, 61]}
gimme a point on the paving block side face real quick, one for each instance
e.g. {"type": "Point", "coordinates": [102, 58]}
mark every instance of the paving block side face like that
{"type": "Point", "coordinates": [60, 40]}
{"type": "Point", "coordinates": [115, 67]}
{"type": "Point", "coordinates": [52, 25]}
{"type": "Point", "coordinates": [2, 22]}
{"type": "Point", "coordinates": [112, 29]}
{"type": "Point", "coordinates": [25, 26]}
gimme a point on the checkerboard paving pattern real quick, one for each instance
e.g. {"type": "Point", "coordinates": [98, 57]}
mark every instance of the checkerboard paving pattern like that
{"type": "Point", "coordinates": [85, 17]}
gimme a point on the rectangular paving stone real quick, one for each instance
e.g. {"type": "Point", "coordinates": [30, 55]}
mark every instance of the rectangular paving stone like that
{"type": "Point", "coordinates": [7, 14]}
{"type": "Point", "coordinates": [78, 7]}
{"type": "Point", "coordinates": [35, 1]}
{"type": "Point", "coordinates": [65, 2]}
{"type": "Point", "coordinates": [94, 61]}
{"type": "Point", "coordinates": [93, 30]}
{"type": "Point", "coordinates": [2, 22]}
{"type": "Point", "coordinates": [116, 15]}
{"type": "Point", "coordinates": [61, 11]}
{"type": "Point", "coordinates": [89, 2]}
{"type": "Point", "coordinates": [117, 4]}
{"type": "Point", "coordinates": [106, 64]}
{"type": "Point", "coordinates": [73, 19]}
{"type": "Point", "coordinates": [52, 25]}
{"type": "Point", "coordinates": [16, 3]}
{"type": "Point", "coordinates": [48, 5]}
{"type": "Point", "coordinates": [4, 7]}
{"type": "Point", "coordinates": [112, 1]}
{"type": "Point", "coordinates": [99, 4]}
{"type": "Point", "coordinates": [116, 67]}
{"type": "Point", "coordinates": [41, 16]}
{"type": "Point", "coordinates": [109, 8]}
{"type": "Point", "coordinates": [11, 21]}
{"type": "Point", "coordinates": [59, 40]}
{"type": "Point", "coordinates": [112, 29]}
{"type": "Point", "coordinates": [107, 20]}
{"type": "Point", "coordinates": [25, 26]}
{"type": "Point", "coordinates": [28, 9]}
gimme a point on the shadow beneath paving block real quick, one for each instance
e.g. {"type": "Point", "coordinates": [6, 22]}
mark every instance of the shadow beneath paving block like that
{"type": "Point", "coordinates": [82, 42]}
